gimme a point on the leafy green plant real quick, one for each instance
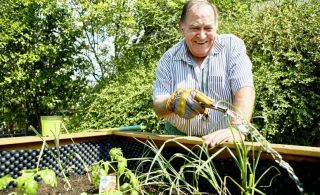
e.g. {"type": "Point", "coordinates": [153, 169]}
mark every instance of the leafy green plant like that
{"type": "Point", "coordinates": [99, 169]}
{"type": "Point", "coordinates": [4, 181]}
{"type": "Point", "coordinates": [56, 155]}
{"type": "Point", "coordinates": [27, 184]}
{"type": "Point", "coordinates": [102, 168]}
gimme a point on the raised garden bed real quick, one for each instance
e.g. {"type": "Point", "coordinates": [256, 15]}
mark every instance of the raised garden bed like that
{"type": "Point", "coordinates": [21, 153]}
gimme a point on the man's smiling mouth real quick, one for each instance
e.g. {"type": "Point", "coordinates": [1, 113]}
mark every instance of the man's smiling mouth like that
{"type": "Point", "coordinates": [201, 43]}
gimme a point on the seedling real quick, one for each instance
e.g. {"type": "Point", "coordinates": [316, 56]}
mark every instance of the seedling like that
{"type": "Point", "coordinates": [105, 168]}
{"type": "Point", "coordinates": [27, 183]}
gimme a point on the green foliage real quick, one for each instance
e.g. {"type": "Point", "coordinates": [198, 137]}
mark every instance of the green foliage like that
{"type": "Point", "coordinates": [157, 30]}
{"type": "Point", "coordinates": [99, 169]}
{"type": "Point", "coordinates": [4, 181]}
{"type": "Point", "coordinates": [38, 61]}
{"type": "Point", "coordinates": [199, 163]}
{"type": "Point", "coordinates": [27, 184]}
{"type": "Point", "coordinates": [47, 48]}
{"type": "Point", "coordinates": [130, 181]}
{"type": "Point", "coordinates": [119, 32]}
{"type": "Point", "coordinates": [49, 177]}
{"type": "Point", "coordinates": [281, 39]}
{"type": "Point", "coordinates": [283, 43]}
{"type": "Point", "coordinates": [123, 100]}
{"type": "Point", "coordinates": [125, 97]}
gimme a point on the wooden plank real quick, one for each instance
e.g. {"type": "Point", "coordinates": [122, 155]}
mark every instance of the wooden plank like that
{"type": "Point", "coordinates": [35, 142]}
{"type": "Point", "coordinates": [288, 152]}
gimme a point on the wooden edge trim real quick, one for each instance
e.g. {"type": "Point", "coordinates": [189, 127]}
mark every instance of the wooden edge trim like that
{"type": "Point", "coordinates": [305, 152]}
{"type": "Point", "coordinates": [33, 142]}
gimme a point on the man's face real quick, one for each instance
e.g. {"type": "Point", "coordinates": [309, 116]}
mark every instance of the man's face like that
{"type": "Point", "coordinates": [199, 30]}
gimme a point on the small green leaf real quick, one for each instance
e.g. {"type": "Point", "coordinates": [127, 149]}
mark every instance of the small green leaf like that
{"type": "Point", "coordinates": [134, 192]}
{"type": "Point", "coordinates": [116, 192]}
{"type": "Point", "coordinates": [105, 167]}
{"type": "Point", "coordinates": [122, 166]}
{"type": "Point", "coordinates": [49, 177]}
{"type": "Point", "coordinates": [23, 179]}
{"type": "Point", "coordinates": [125, 187]}
{"type": "Point", "coordinates": [4, 181]}
{"type": "Point", "coordinates": [133, 180]}
{"type": "Point", "coordinates": [31, 187]}
{"type": "Point", "coordinates": [115, 153]}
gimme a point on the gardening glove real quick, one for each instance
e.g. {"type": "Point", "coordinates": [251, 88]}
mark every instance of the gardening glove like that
{"type": "Point", "coordinates": [188, 103]}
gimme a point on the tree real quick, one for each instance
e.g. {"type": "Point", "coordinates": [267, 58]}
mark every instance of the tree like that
{"type": "Point", "coordinates": [118, 31]}
{"type": "Point", "coordinates": [40, 71]}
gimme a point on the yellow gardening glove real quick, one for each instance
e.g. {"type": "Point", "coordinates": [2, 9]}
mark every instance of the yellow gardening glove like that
{"type": "Point", "coordinates": [188, 103]}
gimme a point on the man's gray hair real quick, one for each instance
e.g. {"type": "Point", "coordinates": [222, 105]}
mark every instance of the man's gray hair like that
{"type": "Point", "coordinates": [189, 4]}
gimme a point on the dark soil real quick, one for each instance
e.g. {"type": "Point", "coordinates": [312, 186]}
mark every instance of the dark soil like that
{"type": "Point", "coordinates": [79, 183]}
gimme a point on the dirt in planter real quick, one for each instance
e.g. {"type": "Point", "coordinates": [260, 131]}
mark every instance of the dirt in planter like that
{"type": "Point", "coordinates": [79, 183]}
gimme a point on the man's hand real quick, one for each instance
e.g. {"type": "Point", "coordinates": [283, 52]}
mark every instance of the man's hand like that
{"type": "Point", "coordinates": [184, 103]}
{"type": "Point", "coordinates": [223, 135]}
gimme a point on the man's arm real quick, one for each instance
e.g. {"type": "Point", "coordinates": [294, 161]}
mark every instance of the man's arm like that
{"type": "Point", "coordinates": [244, 102]}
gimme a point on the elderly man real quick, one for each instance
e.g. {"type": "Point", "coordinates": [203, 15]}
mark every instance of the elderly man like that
{"type": "Point", "coordinates": [205, 63]}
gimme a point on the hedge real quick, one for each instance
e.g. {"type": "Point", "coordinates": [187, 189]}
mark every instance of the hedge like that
{"type": "Point", "coordinates": [283, 43]}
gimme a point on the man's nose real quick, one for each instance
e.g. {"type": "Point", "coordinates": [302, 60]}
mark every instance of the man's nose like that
{"type": "Point", "coordinates": [202, 34]}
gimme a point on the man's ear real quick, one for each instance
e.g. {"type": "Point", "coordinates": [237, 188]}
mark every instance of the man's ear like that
{"type": "Point", "coordinates": [181, 28]}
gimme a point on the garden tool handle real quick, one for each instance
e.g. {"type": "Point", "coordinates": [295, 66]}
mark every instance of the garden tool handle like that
{"type": "Point", "coordinates": [207, 102]}
{"type": "Point", "coordinates": [204, 100]}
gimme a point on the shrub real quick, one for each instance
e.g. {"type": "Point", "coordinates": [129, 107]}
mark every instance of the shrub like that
{"type": "Point", "coordinates": [124, 99]}
{"type": "Point", "coordinates": [283, 43]}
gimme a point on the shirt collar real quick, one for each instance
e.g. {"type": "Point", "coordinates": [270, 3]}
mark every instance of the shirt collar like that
{"type": "Point", "coordinates": [183, 54]}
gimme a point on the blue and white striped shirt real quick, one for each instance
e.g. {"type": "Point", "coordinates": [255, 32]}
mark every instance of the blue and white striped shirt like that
{"type": "Point", "coordinates": [228, 69]}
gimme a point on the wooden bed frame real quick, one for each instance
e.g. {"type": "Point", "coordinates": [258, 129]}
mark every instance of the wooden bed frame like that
{"type": "Point", "coordinates": [288, 152]}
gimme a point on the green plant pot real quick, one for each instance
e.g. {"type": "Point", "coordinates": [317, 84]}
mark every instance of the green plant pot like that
{"type": "Point", "coordinates": [50, 125]}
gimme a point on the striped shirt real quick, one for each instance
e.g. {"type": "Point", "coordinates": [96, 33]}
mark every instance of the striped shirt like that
{"type": "Point", "coordinates": [228, 69]}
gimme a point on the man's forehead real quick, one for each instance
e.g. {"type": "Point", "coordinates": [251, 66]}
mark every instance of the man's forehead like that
{"type": "Point", "coordinates": [200, 14]}
{"type": "Point", "coordinates": [205, 23]}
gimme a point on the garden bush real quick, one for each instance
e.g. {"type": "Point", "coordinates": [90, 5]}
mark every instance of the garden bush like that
{"type": "Point", "coordinates": [283, 43]}
{"type": "Point", "coordinates": [124, 99]}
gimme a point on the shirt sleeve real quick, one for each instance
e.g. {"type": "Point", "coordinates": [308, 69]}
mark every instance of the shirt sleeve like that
{"type": "Point", "coordinates": [162, 83]}
{"type": "Point", "coordinates": [240, 66]}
